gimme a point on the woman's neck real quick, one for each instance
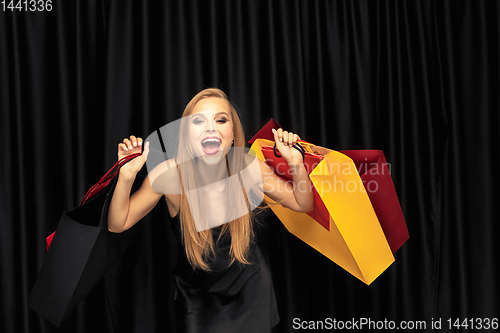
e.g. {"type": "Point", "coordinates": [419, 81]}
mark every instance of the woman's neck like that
{"type": "Point", "coordinates": [211, 173]}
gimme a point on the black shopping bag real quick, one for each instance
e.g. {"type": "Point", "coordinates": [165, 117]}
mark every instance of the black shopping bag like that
{"type": "Point", "coordinates": [80, 254]}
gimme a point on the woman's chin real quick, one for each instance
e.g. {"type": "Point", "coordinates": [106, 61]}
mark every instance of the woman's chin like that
{"type": "Point", "coordinates": [212, 159]}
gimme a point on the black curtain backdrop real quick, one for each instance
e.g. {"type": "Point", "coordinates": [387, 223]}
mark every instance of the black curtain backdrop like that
{"type": "Point", "coordinates": [416, 79]}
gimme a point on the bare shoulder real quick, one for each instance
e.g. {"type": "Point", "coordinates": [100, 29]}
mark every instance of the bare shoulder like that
{"type": "Point", "coordinates": [164, 178]}
{"type": "Point", "coordinates": [251, 173]}
{"type": "Point", "coordinates": [265, 169]}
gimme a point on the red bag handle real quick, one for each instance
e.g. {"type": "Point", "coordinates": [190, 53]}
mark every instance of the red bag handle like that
{"type": "Point", "coordinates": [99, 186]}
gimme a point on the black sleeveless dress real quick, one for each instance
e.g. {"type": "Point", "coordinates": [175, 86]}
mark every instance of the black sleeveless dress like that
{"type": "Point", "coordinates": [237, 298]}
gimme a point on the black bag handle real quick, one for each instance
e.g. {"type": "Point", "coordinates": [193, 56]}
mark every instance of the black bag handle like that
{"type": "Point", "coordinates": [297, 146]}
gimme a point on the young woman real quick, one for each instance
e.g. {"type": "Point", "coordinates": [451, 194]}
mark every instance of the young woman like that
{"type": "Point", "coordinates": [223, 283]}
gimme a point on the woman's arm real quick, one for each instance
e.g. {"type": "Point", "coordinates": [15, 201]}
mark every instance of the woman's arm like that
{"type": "Point", "coordinates": [126, 210]}
{"type": "Point", "coordinates": [296, 195]}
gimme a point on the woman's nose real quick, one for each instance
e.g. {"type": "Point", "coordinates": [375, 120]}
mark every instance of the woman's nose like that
{"type": "Point", "coordinates": [211, 126]}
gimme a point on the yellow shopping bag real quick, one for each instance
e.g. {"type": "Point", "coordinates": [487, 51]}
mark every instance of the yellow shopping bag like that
{"type": "Point", "coordinates": [352, 237]}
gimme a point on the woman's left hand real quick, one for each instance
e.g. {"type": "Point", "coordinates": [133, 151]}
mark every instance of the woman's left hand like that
{"type": "Point", "coordinates": [284, 142]}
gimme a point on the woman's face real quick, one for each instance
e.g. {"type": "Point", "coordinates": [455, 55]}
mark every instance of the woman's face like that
{"type": "Point", "coordinates": [211, 129]}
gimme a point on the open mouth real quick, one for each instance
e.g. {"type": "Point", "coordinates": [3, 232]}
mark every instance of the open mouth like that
{"type": "Point", "coordinates": [211, 145]}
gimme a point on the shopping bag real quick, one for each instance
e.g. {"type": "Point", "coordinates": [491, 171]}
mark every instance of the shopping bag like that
{"type": "Point", "coordinates": [375, 174]}
{"type": "Point", "coordinates": [98, 187]}
{"type": "Point", "coordinates": [80, 252]}
{"type": "Point", "coordinates": [353, 237]}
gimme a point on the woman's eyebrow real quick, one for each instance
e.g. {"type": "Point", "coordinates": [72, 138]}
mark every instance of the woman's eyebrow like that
{"type": "Point", "coordinates": [222, 112]}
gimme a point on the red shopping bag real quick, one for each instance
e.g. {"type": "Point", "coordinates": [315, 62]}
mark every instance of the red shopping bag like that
{"type": "Point", "coordinates": [356, 228]}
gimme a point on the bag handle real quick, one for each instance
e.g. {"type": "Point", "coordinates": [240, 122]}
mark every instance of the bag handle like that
{"type": "Point", "coordinates": [111, 174]}
{"type": "Point", "coordinates": [99, 186]}
{"type": "Point", "coordinates": [297, 146]}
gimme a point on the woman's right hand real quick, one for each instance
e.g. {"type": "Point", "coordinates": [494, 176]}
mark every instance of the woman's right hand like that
{"type": "Point", "coordinates": [128, 147]}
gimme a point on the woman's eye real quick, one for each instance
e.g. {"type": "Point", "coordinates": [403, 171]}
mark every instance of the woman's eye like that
{"type": "Point", "coordinates": [222, 120]}
{"type": "Point", "coordinates": [198, 121]}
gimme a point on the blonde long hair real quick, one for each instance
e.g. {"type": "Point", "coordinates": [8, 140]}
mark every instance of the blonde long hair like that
{"type": "Point", "coordinates": [199, 246]}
